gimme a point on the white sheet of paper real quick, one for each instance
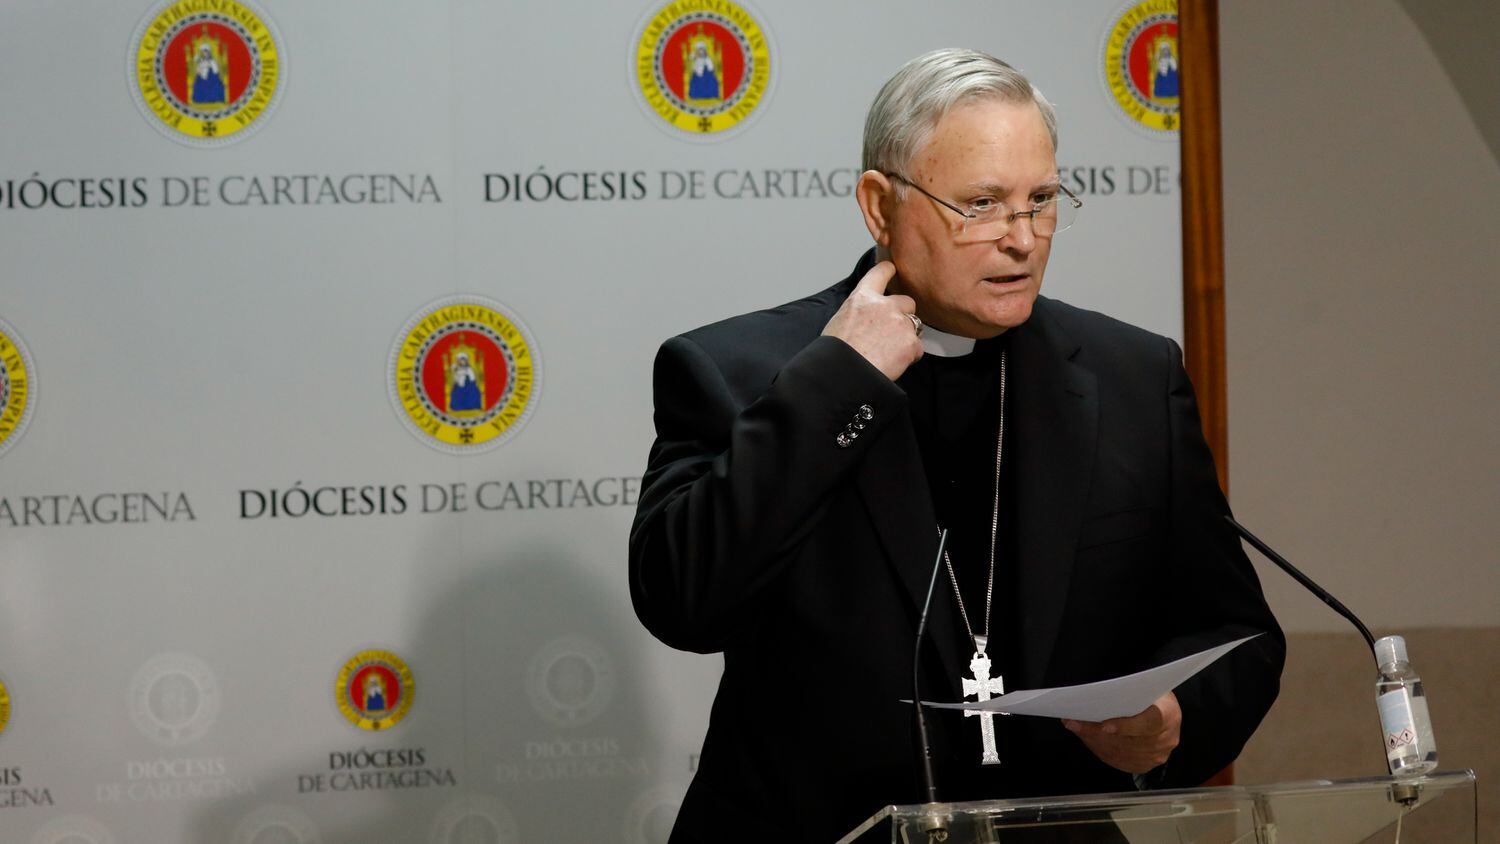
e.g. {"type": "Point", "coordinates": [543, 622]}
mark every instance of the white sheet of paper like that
{"type": "Point", "coordinates": [1105, 699]}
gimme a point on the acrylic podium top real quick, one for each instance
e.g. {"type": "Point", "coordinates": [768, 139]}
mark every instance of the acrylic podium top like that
{"type": "Point", "coordinates": [1437, 807]}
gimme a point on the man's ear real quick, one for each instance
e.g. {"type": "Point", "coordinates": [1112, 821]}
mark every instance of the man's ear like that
{"type": "Point", "coordinates": [876, 196]}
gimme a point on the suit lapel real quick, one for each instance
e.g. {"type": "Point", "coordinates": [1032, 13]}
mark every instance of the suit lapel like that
{"type": "Point", "coordinates": [893, 486]}
{"type": "Point", "coordinates": [1055, 411]}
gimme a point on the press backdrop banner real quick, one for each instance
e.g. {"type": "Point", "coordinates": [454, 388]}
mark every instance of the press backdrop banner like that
{"type": "Point", "coordinates": [326, 334]}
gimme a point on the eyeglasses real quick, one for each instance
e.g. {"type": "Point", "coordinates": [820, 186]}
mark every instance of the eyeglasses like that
{"type": "Point", "coordinates": [988, 218]}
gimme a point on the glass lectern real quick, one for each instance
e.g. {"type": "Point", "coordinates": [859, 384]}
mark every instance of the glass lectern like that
{"type": "Point", "coordinates": [1437, 807]}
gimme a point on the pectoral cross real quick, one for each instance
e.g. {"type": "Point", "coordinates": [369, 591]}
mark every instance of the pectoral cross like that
{"type": "Point", "coordinates": [981, 687]}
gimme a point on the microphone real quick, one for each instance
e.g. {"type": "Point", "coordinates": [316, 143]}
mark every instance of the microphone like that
{"type": "Point", "coordinates": [1303, 579]}
{"type": "Point", "coordinates": [1406, 793]}
{"type": "Point", "coordinates": [935, 824]}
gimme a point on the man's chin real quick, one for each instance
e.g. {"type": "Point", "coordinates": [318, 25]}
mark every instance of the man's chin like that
{"type": "Point", "coordinates": [1010, 312]}
{"type": "Point", "coordinates": [991, 325]}
{"type": "Point", "coordinates": [983, 317]}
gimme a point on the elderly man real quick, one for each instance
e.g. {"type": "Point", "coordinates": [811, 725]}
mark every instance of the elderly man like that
{"type": "Point", "coordinates": [807, 457]}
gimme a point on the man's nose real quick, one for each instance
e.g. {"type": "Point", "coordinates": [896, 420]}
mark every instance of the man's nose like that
{"type": "Point", "coordinates": [1021, 237]}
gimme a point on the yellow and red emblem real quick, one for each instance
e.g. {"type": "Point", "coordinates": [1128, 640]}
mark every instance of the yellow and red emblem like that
{"type": "Point", "coordinates": [374, 690]}
{"type": "Point", "coordinates": [206, 71]}
{"type": "Point", "coordinates": [464, 374]}
{"type": "Point", "coordinates": [1141, 65]}
{"type": "Point", "coordinates": [17, 386]}
{"type": "Point", "coordinates": [703, 66]}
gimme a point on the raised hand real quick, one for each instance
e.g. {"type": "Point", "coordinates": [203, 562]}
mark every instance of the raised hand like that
{"type": "Point", "coordinates": [880, 327]}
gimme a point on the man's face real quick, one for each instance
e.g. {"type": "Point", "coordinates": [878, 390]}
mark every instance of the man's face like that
{"type": "Point", "coordinates": [979, 149]}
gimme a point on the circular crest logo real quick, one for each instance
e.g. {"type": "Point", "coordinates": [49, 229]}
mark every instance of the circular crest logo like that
{"type": "Point", "coordinates": [703, 66]}
{"type": "Point", "coordinates": [206, 73]}
{"type": "Point", "coordinates": [464, 374]}
{"type": "Point", "coordinates": [570, 681]}
{"type": "Point", "coordinates": [174, 699]}
{"type": "Point", "coordinates": [73, 829]}
{"type": "Point", "coordinates": [650, 816]}
{"type": "Point", "coordinates": [474, 819]}
{"type": "Point", "coordinates": [276, 823]}
{"type": "Point", "coordinates": [374, 690]}
{"type": "Point", "coordinates": [17, 386]}
{"type": "Point", "coordinates": [1142, 68]}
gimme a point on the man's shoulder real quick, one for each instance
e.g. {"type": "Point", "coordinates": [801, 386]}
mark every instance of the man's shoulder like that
{"type": "Point", "coordinates": [1094, 331]}
{"type": "Point", "coordinates": [778, 332]}
{"type": "Point", "coordinates": [810, 313]}
{"type": "Point", "coordinates": [740, 357]}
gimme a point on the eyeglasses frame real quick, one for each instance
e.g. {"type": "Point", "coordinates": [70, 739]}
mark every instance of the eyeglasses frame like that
{"type": "Point", "coordinates": [1035, 209]}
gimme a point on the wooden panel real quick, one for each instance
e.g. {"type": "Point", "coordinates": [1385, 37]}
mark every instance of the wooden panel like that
{"type": "Point", "coordinates": [1203, 222]}
{"type": "Point", "coordinates": [1203, 234]}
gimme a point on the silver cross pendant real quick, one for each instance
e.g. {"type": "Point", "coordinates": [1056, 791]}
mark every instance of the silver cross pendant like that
{"type": "Point", "coordinates": [981, 687]}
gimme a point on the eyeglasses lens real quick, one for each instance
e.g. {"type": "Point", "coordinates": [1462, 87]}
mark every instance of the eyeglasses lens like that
{"type": "Point", "coordinates": [1048, 219]}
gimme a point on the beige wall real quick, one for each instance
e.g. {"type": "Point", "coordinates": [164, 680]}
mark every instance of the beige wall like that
{"type": "Point", "coordinates": [1362, 211]}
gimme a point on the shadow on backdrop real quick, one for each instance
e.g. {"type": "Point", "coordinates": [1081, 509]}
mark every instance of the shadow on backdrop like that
{"type": "Point", "coordinates": [540, 720]}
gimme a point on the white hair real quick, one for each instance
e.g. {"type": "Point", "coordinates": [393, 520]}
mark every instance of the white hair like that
{"type": "Point", "coordinates": [910, 105]}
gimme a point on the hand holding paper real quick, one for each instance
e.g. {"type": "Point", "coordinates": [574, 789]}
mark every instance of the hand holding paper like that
{"type": "Point", "coordinates": [1135, 744]}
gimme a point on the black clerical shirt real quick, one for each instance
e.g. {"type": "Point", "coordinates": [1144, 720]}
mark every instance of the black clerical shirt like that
{"type": "Point", "coordinates": [955, 409]}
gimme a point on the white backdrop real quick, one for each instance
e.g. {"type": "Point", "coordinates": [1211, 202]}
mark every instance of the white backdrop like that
{"type": "Point", "coordinates": [211, 322]}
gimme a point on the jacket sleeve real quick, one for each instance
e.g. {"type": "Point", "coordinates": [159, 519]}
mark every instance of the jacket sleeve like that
{"type": "Point", "coordinates": [735, 481]}
{"type": "Point", "coordinates": [1218, 598]}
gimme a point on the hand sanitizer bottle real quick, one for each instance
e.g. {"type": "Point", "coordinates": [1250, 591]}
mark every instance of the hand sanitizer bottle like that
{"type": "Point", "coordinates": [1410, 749]}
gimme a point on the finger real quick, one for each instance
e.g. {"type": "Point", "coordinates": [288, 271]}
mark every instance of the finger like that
{"type": "Point", "coordinates": [878, 278]}
{"type": "Point", "coordinates": [1126, 744]}
{"type": "Point", "coordinates": [1132, 727]}
{"type": "Point", "coordinates": [1136, 754]}
{"type": "Point", "coordinates": [1128, 754]}
{"type": "Point", "coordinates": [904, 304]}
{"type": "Point", "coordinates": [1090, 728]}
{"type": "Point", "coordinates": [1146, 723]}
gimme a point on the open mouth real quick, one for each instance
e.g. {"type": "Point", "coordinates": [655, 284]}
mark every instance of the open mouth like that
{"type": "Point", "coordinates": [1008, 279]}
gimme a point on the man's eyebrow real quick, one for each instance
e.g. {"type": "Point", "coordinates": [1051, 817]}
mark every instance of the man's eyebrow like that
{"type": "Point", "coordinates": [999, 189]}
{"type": "Point", "coordinates": [986, 187]}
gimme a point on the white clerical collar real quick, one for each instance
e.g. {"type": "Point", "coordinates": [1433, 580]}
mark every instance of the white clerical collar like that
{"type": "Point", "coordinates": [945, 345]}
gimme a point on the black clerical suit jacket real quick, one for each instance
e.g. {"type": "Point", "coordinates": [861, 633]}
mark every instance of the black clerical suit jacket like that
{"type": "Point", "coordinates": [804, 557]}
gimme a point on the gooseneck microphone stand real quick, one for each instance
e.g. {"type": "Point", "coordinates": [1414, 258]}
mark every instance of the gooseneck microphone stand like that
{"type": "Point", "coordinates": [935, 824]}
{"type": "Point", "coordinates": [1307, 582]}
{"type": "Point", "coordinates": [1406, 793]}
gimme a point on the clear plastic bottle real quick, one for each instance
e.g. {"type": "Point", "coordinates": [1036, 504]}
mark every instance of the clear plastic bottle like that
{"type": "Point", "coordinates": [1410, 749]}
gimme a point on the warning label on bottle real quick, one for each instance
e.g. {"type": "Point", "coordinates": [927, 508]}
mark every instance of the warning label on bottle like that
{"type": "Point", "coordinates": [1397, 722]}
